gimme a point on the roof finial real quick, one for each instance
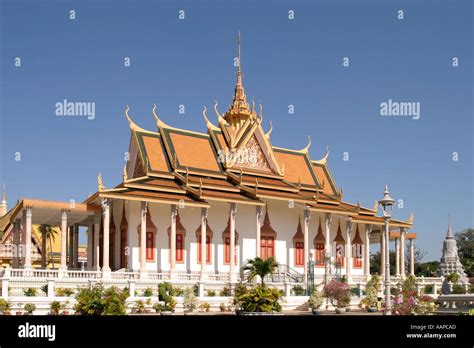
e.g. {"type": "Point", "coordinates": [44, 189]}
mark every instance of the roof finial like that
{"type": "Point", "coordinates": [125, 174]}
{"type": "Point", "coordinates": [239, 69]}
{"type": "Point", "coordinates": [450, 231]}
{"type": "Point", "coordinates": [3, 205]}
{"type": "Point", "coordinates": [100, 185]}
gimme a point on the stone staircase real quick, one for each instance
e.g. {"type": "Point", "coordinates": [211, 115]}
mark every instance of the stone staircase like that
{"type": "Point", "coordinates": [302, 307]}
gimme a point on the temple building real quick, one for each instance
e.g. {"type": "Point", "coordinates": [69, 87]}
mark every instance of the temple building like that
{"type": "Point", "coordinates": [450, 262]}
{"type": "Point", "coordinates": [204, 203]}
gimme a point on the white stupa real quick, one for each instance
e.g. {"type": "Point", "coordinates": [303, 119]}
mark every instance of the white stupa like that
{"type": "Point", "coordinates": [450, 259]}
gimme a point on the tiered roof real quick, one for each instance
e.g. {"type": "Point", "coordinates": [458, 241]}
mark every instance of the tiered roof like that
{"type": "Point", "coordinates": [233, 162]}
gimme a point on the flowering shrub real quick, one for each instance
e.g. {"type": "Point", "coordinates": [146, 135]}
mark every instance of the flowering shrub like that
{"type": "Point", "coordinates": [316, 299]}
{"type": "Point", "coordinates": [338, 293]}
{"type": "Point", "coordinates": [372, 292]}
{"type": "Point", "coordinates": [410, 303]}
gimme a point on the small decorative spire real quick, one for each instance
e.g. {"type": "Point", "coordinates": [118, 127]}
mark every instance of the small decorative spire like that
{"type": "Point", "coordinates": [125, 175]}
{"type": "Point", "coordinates": [376, 206]}
{"type": "Point", "coordinates": [450, 231]}
{"type": "Point", "coordinates": [3, 205]}
{"type": "Point", "coordinates": [100, 185]}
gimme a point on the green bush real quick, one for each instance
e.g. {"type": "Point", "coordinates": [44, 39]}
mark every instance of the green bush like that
{"type": "Point", "coordinates": [453, 277]}
{"type": "Point", "coordinates": [259, 299]}
{"type": "Point", "coordinates": [97, 301]}
{"type": "Point", "coordinates": [298, 290]}
{"type": "Point", "coordinates": [30, 308]}
{"type": "Point", "coordinates": [30, 292]}
{"type": "Point", "coordinates": [428, 289]}
{"type": "Point", "coordinates": [64, 292]}
{"type": "Point", "coordinates": [5, 305]}
{"type": "Point", "coordinates": [139, 306]}
{"type": "Point", "coordinates": [44, 288]}
{"type": "Point", "coordinates": [211, 293]}
{"type": "Point", "coordinates": [225, 292]}
{"type": "Point", "coordinates": [206, 307]}
{"type": "Point", "coordinates": [148, 292]}
{"type": "Point", "coordinates": [458, 289]}
{"type": "Point", "coordinates": [54, 307]}
{"type": "Point", "coordinates": [179, 292]}
{"type": "Point", "coordinates": [165, 294]}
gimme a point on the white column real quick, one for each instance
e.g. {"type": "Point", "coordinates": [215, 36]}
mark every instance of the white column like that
{"type": "Point", "coordinates": [63, 240]}
{"type": "Point", "coordinates": [174, 212]}
{"type": "Point", "coordinates": [96, 242]}
{"type": "Point", "coordinates": [105, 247]}
{"type": "Point", "coordinates": [16, 243]}
{"type": "Point", "coordinates": [90, 243]}
{"type": "Point", "coordinates": [75, 251]}
{"type": "Point", "coordinates": [327, 234]}
{"type": "Point", "coordinates": [143, 212]}
{"type": "Point", "coordinates": [349, 249]}
{"type": "Point", "coordinates": [258, 218]}
{"type": "Point", "coordinates": [412, 257]}
{"type": "Point", "coordinates": [43, 246]}
{"type": "Point", "coordinates": [368, 231]}
{"type": "Point", "coordinates": [397, 256]}
{"type": "Point", "coordinates": [307, 217]}
{"type": "Point", "coordinates": [29, 215]}
{"type": "Point", "coordinates": [70, 241]}
{"type": "Point", "coordinates": [402, 252]}
{"type": "Point", "coordinates": [203, 242]}
{"type": "Point", "coordinates": [382, 252]}
{"type": "Point", "coordinates": [233, 212]}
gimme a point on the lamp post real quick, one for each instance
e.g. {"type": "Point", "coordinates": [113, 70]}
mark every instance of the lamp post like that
{"type": "Point", "coordinates": [310, 276]}
{"type": "Point", "coordinates": [387, 204]}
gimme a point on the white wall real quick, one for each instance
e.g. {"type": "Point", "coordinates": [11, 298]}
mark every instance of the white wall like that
{"type": "Point", "coordinates": [282, 218]}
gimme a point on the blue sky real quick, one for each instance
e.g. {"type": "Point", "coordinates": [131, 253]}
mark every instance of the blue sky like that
{"type": "Point", "coordinates": [298, 62]}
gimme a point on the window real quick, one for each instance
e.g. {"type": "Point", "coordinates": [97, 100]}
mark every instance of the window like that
{"type": "Point", "coordinates": [227, 251]}
{"type": "Point", "coordinates": [150, 246]}
{"type": "Point", "coordinates": [319, 258]}
{"type": "Point", "coordinates": [357, 252]}
{"type": "Point", "coordinates": [208, 249]}
{"type": "Point", "coordinates": [299, 253]}
{"type": "Point", "coordinates": [179, 247]}
{"type": "Point", "coordinates": [267, 247]}
{"type": "Point", "coordinates": [340, 254]}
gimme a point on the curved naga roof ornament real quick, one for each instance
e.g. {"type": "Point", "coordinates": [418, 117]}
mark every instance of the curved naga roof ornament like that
{"type": "Point", "coordinates": [269, 132]}
{"type": "Point", "coordinates": [325, 158]}
{"type": "Point", "coordinates": [159, 122]}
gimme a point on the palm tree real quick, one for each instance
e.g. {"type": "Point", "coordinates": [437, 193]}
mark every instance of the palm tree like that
{"type": "Point", "coordinates": [48, 234]}
{"type": "Point", "coordinates": [260, 267]}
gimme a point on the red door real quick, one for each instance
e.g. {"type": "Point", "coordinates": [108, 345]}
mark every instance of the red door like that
{"type": "Point", "coordinates": [267, 247]}
{"type": "Point", "coordinates": [123, 245]}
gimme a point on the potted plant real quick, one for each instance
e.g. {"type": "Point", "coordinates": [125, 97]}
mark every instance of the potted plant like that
{"type": "Point", "coordinates": [222, 307]}
{"type": "Point", "coordinates": [139, 306]}
{"type": "Point", "coordinates": [30, 308]}
{"type": "Point", "coordinates": [315, 302]}
{"type": "Point", "coordinates": [372, 289]}
{"type": "Point", "coordinates": [165, 294]}
{"type": "Point", "coordinates": [54, 307]}
{"type": "Point", "coordinates": [19, 312]}
{"type": "Point", "coordinates": [5, 306]}
{"type": "Point", "coordinates": [338, 294]}
{"type": "Point", "coordinates": [189, 300]}
{"type": "Point", "coordinates": [64, 308]}
{"type": "Point", "coordinates": [206, 307]}
{"type": "Point", "coordinates": [30, 292]}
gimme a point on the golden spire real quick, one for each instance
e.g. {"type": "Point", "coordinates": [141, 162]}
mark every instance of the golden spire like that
{"type": "Point", "coordinates": [100, 185]}
{"type": "Point", "coordinates": [3, 204]}
{"type": "Point", "coordinates": [125, 175]}
{"type": "Point", "coordinates": [239, 106]}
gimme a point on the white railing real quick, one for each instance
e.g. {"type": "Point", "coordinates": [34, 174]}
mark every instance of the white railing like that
{"type": "Point", "coordinates": [189, 276]}
{"type": "Point", "coordinates": [218, 277]}
{"type": "Point", "coordinates": [125, 275]}
{"type": "Point", "coordinates": [158, 276]}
